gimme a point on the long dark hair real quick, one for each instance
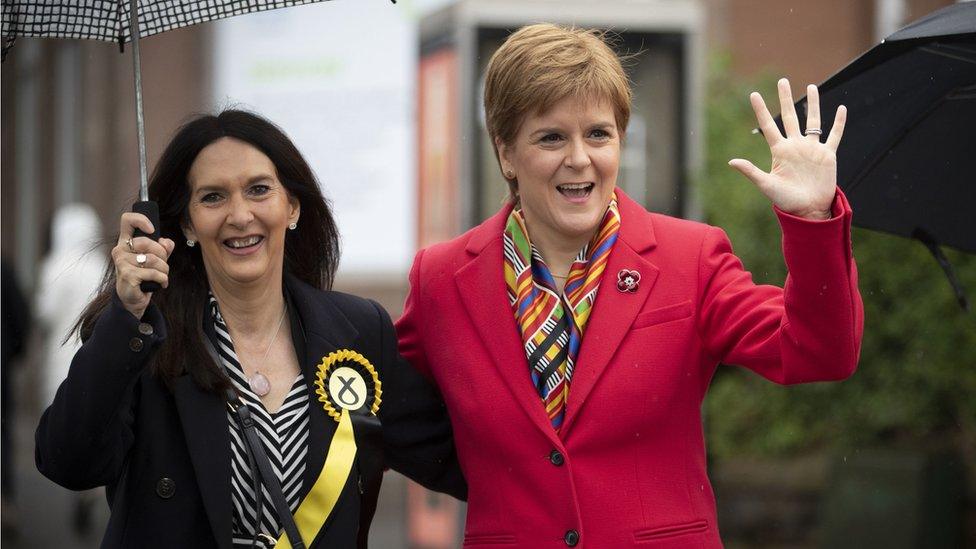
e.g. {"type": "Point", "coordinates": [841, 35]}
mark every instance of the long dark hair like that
{"type": "Point", "coordinates": [311, 250]}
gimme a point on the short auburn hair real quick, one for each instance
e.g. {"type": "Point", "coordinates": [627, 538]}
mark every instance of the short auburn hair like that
{"type": "Point", "coordinates": [540, 65]}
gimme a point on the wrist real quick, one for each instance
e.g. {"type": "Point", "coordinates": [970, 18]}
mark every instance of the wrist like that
{"type": "Point", "coordinates": [137, 312]}
{"type": "Point", "coordinates": [811, 213]}
{"type": "Point", "coordinates": [135, 309]}
{"type": "Point", "coordinates": [816, 215]}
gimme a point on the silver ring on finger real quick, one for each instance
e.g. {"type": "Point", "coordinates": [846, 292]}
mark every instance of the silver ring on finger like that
{"type": "Point", "coordinates": [128, 242]}
{"type": "Point", "coordinates": [141, 260]}
{"type": "Point", "coordinates": [813, 131]}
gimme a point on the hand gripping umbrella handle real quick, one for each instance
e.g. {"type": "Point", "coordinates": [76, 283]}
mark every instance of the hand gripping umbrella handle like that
{"type": "Point", "coordinates": [149, 209]}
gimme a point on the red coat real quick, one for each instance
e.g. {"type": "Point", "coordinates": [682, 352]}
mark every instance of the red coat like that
{"type": "Point", "coordinates": [628, 468]}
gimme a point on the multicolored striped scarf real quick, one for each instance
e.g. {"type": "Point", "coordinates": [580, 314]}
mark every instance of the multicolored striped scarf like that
{"type": "Point", "coordinates": [551, 337]}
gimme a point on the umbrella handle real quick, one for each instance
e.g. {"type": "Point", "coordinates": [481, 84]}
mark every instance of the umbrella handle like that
{"type": "Point", "coordinates": [150, 209]}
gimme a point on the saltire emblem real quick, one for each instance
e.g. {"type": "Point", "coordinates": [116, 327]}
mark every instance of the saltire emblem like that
{"type": "Point", "coordinates": [345, 380]}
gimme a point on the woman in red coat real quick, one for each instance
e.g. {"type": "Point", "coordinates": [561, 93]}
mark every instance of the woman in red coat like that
{"type": "Point", "coordinates": [574, 334]}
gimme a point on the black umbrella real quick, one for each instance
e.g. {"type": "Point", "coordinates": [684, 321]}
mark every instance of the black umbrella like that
{"type": "Point", "coordinates": [908, 161]}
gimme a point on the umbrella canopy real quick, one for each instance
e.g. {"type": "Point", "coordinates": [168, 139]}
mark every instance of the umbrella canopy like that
{"type": "Point", "coordinates": [121, 21]}
{"type": "Point", "coordinates": [108, 20]}
{"type": "Point", "coordinates": [908, 160]}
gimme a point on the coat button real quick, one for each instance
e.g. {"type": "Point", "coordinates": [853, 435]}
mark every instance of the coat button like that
{"type": "Point", "coordinates": [165, 487]}
{"type": "Point", "coordinates": [571, 538]}
{"type": "Point", "coordinates": [145, 328]}
{"type": "Point", "coordinates": [556, 457]}
{"type": "Point", "coordinates": [135, 344]}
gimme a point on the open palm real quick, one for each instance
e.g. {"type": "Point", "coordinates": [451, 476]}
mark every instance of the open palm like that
{"type": "Point", "coordinates": [803, 178]}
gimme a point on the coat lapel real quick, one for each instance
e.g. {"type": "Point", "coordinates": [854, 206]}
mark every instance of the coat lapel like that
{"type": "Point", "coordinates": [614, 311]}
{"type": "Point", "coordinates": [204, 420]}
{"type": "Point", "coordinates": [323, 329]}
{"type": "Point", "coordinates": [481, 283]}
{"type": "Point", "coordinates": [320, 425]}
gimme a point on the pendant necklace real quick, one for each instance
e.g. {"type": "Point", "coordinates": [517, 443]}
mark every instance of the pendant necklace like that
{"type": "Point", "coordinates": [259, 382]}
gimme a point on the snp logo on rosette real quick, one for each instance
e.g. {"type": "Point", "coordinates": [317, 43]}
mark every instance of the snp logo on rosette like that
{"type": "Point", "coordinates": [347, 385]}
{"type": "Point", "coordinates": [345, 380]}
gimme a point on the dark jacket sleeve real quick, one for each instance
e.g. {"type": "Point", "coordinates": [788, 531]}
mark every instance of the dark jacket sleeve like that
{"type": "Point", "coordinates": [417, 434]}
{"type": "Point", "coordinates": [85, 434]}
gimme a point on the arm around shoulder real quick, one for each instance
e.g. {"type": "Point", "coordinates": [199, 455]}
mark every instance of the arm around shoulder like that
{"type": "Point", "coordinates": [417, 434]}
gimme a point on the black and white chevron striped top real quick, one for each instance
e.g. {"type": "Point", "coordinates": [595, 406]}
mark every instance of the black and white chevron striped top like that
{"type": "Point", "coordinates": [285, 437]}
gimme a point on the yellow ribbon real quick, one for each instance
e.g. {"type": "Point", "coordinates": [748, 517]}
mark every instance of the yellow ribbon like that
{"type": "Point", "coordinates": [321, 499]}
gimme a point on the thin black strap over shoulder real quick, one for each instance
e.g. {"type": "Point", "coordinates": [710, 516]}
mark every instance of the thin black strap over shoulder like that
{"type": "Point", "coordinates": [263, 473]}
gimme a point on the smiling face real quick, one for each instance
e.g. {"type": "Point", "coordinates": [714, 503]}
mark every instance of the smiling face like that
{"type": "Point", "coordinates": [239, 213]}
{"type": "Point", "coordinates": [565, 160]}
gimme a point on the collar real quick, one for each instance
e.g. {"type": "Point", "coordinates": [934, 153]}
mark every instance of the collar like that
{"type": "Point", "coordinates": [312, 315]}
{"type": "Point", "coordinates": [317, 313]}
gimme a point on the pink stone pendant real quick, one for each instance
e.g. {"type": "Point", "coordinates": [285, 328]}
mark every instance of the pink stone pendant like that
{"type": "Point", "coordinates": [259, 384]}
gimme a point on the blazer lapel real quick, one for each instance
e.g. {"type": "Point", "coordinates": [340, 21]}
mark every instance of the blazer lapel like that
{"type": "Point", "coordinates": [204, 420]}
{"type": "Point", "coordinates": [614, 311]}
{"type": "Point", "coordinates": [322, 329]}
{"type": "Point", "coordinates": [481, 283]}
{"type": "Point", "coordinates": [320, 426]}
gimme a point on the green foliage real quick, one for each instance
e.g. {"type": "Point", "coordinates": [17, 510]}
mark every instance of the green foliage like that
{"type": "Point", "coordinates": [916, 380]}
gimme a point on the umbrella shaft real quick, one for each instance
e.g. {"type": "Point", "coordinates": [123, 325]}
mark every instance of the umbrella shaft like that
{"type": "Point", "coordinates": [140, 123]}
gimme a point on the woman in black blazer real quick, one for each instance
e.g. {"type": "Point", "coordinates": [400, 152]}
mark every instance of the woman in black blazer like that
{"type": "Point", "coordinates": [242, 371]}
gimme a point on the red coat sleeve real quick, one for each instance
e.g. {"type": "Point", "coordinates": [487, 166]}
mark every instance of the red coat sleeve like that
{"type": "Point", "coordinates": [811, 329]}
{"type": "Point", "coordinates": [408, 327]}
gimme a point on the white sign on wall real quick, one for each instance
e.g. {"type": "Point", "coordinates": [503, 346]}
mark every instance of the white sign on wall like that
{"type": "Point", "coordinates": [339, 78]}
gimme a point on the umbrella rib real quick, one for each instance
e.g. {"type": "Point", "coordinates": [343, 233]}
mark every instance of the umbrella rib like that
{"type": "Point", "coordinates": [969, 92]}
{"type": "Point", "coordinates": [929, 241]}
{"type": "Point", "coordinates": [941, 51]}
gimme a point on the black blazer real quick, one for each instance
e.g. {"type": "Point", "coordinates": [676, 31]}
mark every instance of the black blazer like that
{"type": "Point", "coordinates": [164, 455]}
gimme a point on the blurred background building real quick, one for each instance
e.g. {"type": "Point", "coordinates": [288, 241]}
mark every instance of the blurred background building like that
{"type": "Point", "coordinates": [384, 99]}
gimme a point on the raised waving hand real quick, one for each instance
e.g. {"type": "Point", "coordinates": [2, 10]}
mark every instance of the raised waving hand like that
{"type": "Point", "coordinates": [803, 178]}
